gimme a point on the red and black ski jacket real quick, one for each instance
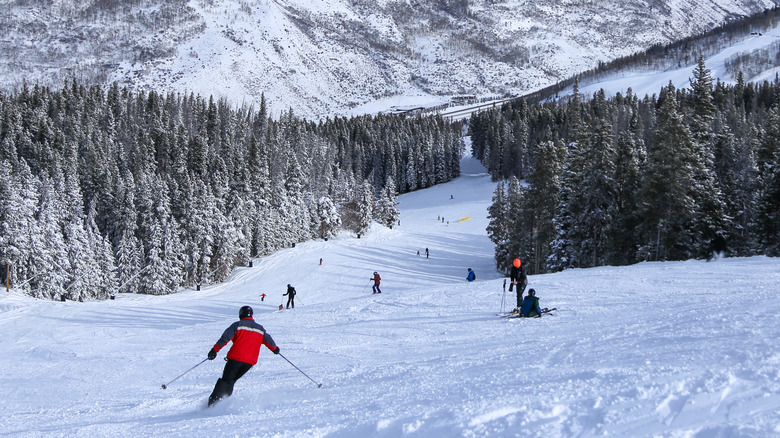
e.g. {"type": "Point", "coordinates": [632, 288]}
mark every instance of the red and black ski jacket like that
{"type": "Point", "coordinates": [247, 337]}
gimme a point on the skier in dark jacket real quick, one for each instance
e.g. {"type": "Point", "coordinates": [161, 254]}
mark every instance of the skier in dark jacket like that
{"type": "Point", "coordinates": [471, 276]}
{"type": "Point", "coordinates": [247, 337]}
{"type": "Point", "coordinates": [530, 305]}
{"type": "Point", "coordinates": [518, 279]}
{"type": "Point", "coordinates": [376, 280]}
{"type": "Point", "coordinates": [290, 296]}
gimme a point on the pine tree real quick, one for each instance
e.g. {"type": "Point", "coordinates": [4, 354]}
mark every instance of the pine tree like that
{"type": "Point", "coordinates": [328, 216]}
{"type": "Point", "coordinates": [163, 253]}
{"type": "Point", "coordinates": [518, 237]}
{"type": "Point", "coordinates": [567, 245]}
{"type": "Point", "coordinates": [365, 201]}
{"type": "Point", "coordinates": [387, 205]}
{"type": "Point", "coordinates": [769, 193]}
{"type": "Point", "coordinates": [710, 219]}
{"type": "Point", "coordinates": [668, 188]}
{"type": "Point", "coordinates": [541, 202]}
{"type": "Point", "coordinates": [599, 190]}
{"type": "Point", "coordinates": [737, 176]}
{"type": "Point", "coordinates": [48, 273]}
{"type": "Point", "coordinates": [498, 226]}
{"type": "Point", "coordinates": [18, 202]}
{"type": "Point", "coordinates": [630, 162]}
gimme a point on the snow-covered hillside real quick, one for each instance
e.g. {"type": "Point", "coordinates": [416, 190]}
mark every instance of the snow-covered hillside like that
{"type": "Point", "coordinates": [325, 57]}
{"type": "Point", "coordinates": [650, 82]}
{"type": "Point", "coordinates": [656, 349]}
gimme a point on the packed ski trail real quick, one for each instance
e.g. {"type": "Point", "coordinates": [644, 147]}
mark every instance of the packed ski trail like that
{"type": "Point", "coordinates": [656, 349]}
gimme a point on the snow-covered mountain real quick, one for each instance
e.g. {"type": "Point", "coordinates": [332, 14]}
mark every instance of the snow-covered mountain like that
{"type": "Point", "coordinates": [657, 349]}
{"type": "Point", "coordinates": [326, 57]}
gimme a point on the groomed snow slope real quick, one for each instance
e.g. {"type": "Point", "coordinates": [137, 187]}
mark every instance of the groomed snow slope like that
{"type": "Point", "coordinates": [655, 349]}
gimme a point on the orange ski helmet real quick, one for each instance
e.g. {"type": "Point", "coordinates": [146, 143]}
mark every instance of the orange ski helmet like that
{"type": "Point", "coordinates": [517, 263]}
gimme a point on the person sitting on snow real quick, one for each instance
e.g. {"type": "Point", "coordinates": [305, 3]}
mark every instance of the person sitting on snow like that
{"type": "Point", "coordinates": [530, 305]}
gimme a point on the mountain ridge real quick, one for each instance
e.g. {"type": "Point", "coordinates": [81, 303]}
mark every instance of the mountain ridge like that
{"type": "Point", "coordinates": [323, 59]}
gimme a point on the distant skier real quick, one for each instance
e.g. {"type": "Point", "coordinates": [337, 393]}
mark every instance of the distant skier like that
{"type": "Point", "coordinates": [290, 296]}
{"type": "Point", "coordinates": [320, 261]}
{"type": "Point", "coordinates": [530, 305]}
{"type": "Point", "coordinates": [376, 280]}
{"type": "Point", "coordinates": [427, 253]}
{"type": "Point", "coordinates": [471, 275]}
{"type": "Point", "coordinates": [262, 297]}
{"type": "Point", "coordinates": [247, 337]}
{"type": "Point", "coordinates": [519, 279]}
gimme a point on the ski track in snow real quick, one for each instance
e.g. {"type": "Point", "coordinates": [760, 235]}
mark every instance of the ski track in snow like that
{"type": "Point", "coordinates": [655, 349]}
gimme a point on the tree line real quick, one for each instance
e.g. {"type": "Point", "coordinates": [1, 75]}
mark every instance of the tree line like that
{"type": "Point", "coordinates": [106, 190]}
{"type": "Point", "coordinates": [614, 181]}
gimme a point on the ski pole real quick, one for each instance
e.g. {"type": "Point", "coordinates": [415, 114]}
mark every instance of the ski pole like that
{"type": "Point", "coordinates": [364, 287]}
{"type": "Point", "coordinates": [319, 385]}
{"type": "Point", "coordinates": [177, 378]}
{"type": "Point", "coordinates": [503, 297]}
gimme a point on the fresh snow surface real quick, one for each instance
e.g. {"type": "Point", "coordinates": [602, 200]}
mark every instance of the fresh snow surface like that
{"type": "Point", "coordinates": [683, 349]}
{"type": "Point", "coordinates": [650, 83]}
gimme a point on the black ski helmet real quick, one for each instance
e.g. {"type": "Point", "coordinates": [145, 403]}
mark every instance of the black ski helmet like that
{"type": "Point", "coordinates": [245, 312]}
{"type": "Point", "coordinates": [531, 292]}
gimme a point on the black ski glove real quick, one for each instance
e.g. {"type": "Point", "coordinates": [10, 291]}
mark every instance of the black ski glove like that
{"type": "Point", "coordinates": [212, 354]}
{"type": "Point", "coordinates": [276, 350]}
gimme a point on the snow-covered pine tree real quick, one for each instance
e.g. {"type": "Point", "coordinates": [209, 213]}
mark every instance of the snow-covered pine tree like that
{"type": "Point", "coordinates": [365, 207]}
{"type": "Point", "coordinates": [164, 270]}
{"type": "Point", "coordinates": [541, 201]}
{"type": "Point", "coordinates": [570, 234]}
{"type": "Point", "coordinates": [710, 221]}
{"type": "Point", "coordinates": [498, 225]}
{"type": "Point", "coordinates": [518, 235]}
{"type": "Point", "coordinates": [18, 203]}
{"type": "Point", "coordinates": [598, 189]}
{"type": "Point", "coordinates": [296, 207]}
{"type": "Point", "coordinates": [328, 218]}
{"type": "Point", "coordinates": [100, 247]}
{"type": "Point", "coordinates": [48, 273]}
{"type": "Point", "coordinates": [668, 187]}
{"type": "Point", "coordinates": [387, 205]}
{"type": "Point", "coordinates": [769, 194]}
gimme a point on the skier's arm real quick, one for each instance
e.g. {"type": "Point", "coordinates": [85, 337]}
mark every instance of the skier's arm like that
{"type": "Point", "coordinates": [268, 341]}
{"type": "Point", "coordinates": [227, 335]}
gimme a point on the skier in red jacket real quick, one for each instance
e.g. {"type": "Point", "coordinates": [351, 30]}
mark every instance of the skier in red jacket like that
{"type": "Point", "coordinates": [376, 279]}
{"type": "Point", "coordinates": [247, 336]}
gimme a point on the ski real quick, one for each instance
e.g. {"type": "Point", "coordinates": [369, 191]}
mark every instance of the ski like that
{"type": "Point", "coordinates": [517, 315]}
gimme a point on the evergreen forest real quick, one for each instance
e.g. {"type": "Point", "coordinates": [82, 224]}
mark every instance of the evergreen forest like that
{"type": "Point", "coordinates": [688, 173]}
{"type": "Point", "coordinates": [106, 190]}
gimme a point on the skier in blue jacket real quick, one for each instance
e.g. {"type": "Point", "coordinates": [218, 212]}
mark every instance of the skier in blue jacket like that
{"type": "Point", "coordinates": [471, 276]}
{"type": "Point", "coordinates": [530, 305]}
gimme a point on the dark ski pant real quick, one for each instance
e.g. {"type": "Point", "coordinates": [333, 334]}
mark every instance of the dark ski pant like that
{"type": "Point", "coordinates": [233, 371]}
{"type": "Point", "coordinates": [291, 302]}
{"type": "Point", "coordinates": [376, 289]}
{"type": "Point", "coordinates": [520, 289]}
